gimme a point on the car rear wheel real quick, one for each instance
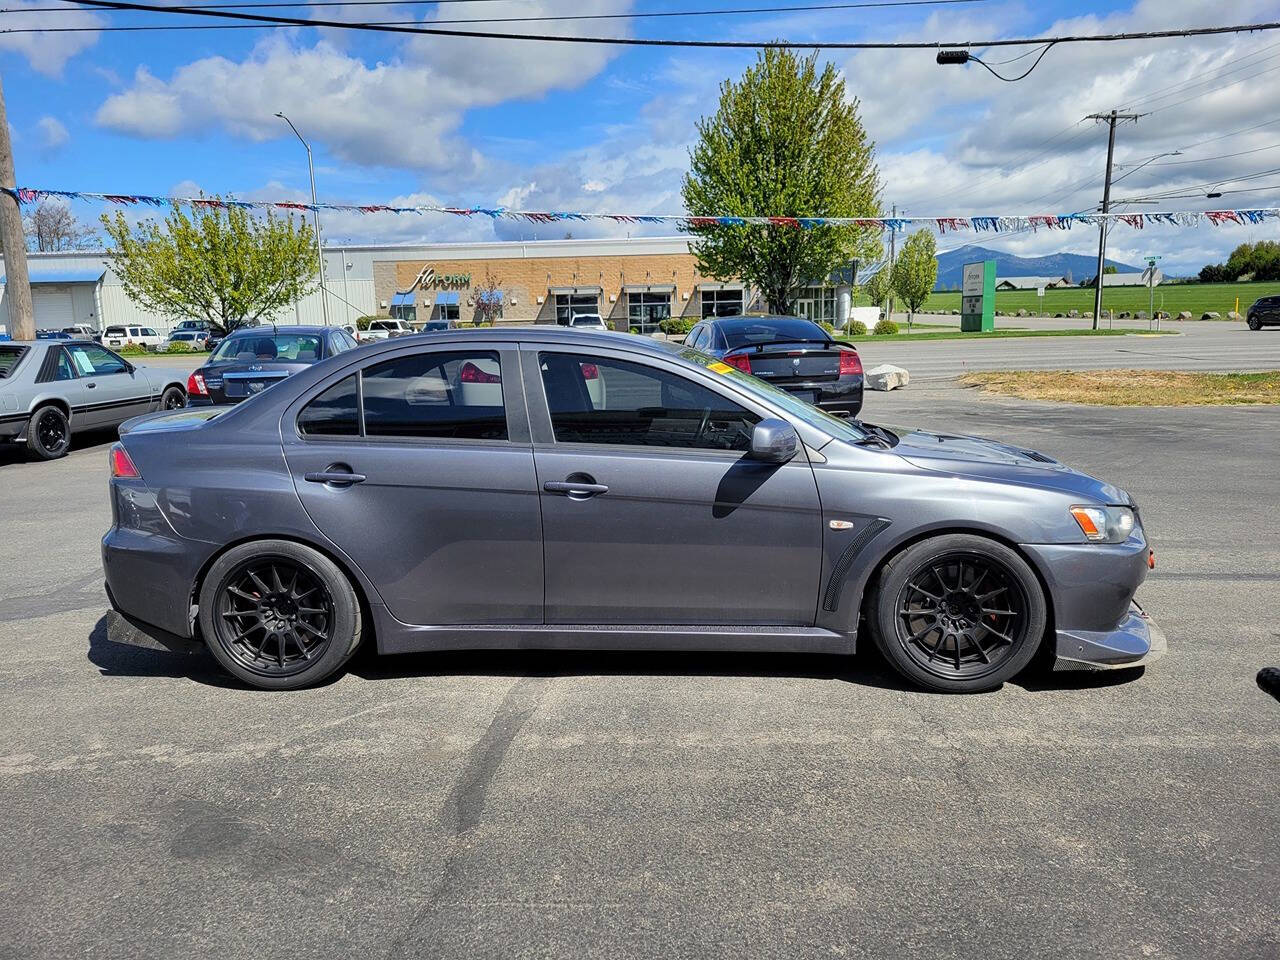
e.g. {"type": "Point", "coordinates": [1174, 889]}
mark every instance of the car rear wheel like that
{"type": "Point", "coordinates": [958, 613]}
{"type": "Point", "coordinates": [279, 615]}
{"type": "Point", "coordinates": [49, 433]}
{"type": "Point", "coordinates": [173, 398]}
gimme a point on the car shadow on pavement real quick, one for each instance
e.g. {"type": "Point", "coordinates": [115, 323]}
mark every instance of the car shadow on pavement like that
{"type": "Point", "coordinates": [120, 649]}
{"type": "Point", "coordinates": [80, 440]}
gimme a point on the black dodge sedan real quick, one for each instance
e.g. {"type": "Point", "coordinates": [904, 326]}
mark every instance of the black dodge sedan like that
{"type": "Point", "coordinates": [791, 353]}
{"type": "Point", "coordinates": [252, 359]}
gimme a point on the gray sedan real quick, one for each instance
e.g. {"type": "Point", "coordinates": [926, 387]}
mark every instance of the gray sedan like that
{"type": "Point", "coordinates": [50, 388]}
{"type": "Point", "coordinates": [547, 488]}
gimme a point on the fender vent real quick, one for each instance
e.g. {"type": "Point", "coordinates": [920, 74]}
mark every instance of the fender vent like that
{"type": "Point", "coordinates": [831, 598]}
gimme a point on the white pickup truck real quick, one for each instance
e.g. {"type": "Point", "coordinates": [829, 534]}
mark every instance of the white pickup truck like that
{"type": "Point", "coordinates": [385, 329]}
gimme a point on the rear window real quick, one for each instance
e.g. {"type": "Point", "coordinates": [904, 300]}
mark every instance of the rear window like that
{"type": "Point", "coordinates": [9, 357]}
{"type": "Point", "coordinates": [287, 347]}
{"type": "Point", "coordinates": [749, 333]}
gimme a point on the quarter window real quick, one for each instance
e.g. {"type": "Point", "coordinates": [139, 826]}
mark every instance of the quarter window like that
{"type": "Point", "coordinates": [336, 412]}
{"type": "Point", "coordinates": [455, 395]}
{"type": "Point", "coordinates": [602, 400]}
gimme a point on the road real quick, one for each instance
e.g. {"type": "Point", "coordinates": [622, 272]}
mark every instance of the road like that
{"type": "Point", "coordinates": [589, 805]}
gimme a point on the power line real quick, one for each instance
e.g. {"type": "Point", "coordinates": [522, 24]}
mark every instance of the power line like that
{"type": "Point", "coordinates": [1221, 156]}
{"type": "Point", "coordinates": [1246, 62]}
{"type": "Point", "coordinates": [654, 42]}
{"type": "Point", "coordinates": [1167, 194]}
{"type": "Point", "coordinates": [732, 11]}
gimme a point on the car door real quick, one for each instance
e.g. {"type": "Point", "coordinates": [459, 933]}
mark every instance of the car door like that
{"type": "Point", "coordinates": [441, 508]}
{"type": "Point", "coordinates": [113, 390]}
{"type": "Point", "coordinates": [651, 511]}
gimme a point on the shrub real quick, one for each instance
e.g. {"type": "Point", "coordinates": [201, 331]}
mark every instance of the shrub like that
{"type": "Point", "coordinates": [178, 346]}
{"type": "Point", "coordinates": [885, 327]}
{"type": "Point", "coordinates": [830, 328]}
{"type": "Point", "coordinates": [676, 326]}
{"type": "Point", "coordinates": [635, 330]}
{"type": "Point", "coordinates": [131, 349]}
{"type": "Point", "coordinates": [362, 323]}
{"type": "Point", "coordinates": [856, 328]}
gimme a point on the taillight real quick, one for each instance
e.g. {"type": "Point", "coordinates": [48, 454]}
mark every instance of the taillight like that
{"type": "Point", "coordinates": [470, 373]}
{"type": "Point", "coordinates": [850, 363]}
{"type": "Point", "coordinates": [195, 385]}
{"type": "Point", "coordinates": [122, 467]}
{"type": "Point", "coordinates": [739, 360]}
{"type": "Point", "coordinates": [590, 371]}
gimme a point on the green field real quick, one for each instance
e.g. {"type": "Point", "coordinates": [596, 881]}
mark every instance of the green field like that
{"type": "Point", "coordinates": [1173, 297]}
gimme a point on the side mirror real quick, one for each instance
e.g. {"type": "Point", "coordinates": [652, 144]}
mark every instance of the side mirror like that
{"type": "Point", "coordinates": [774, 441]}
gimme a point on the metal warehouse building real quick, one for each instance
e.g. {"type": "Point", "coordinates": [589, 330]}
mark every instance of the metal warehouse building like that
{"type": "Point", "coordinates": [631, 283]}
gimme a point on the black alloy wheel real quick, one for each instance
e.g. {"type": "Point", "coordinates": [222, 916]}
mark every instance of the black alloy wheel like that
{"type": "Point", "coordinates": [174, 398]}
{"type": "Point", "coordinates": [274, 616]}
{"type": "Point", "coordinates": [961, 615]}
{"type": "Point", "coordinates": [958, 613]}
{"type": "Point", "coordinates": [49, 433]}
{"type": "Point", "coordinates": [278, 615]}
{"type": "Point", "coordinates": [1255, 323]}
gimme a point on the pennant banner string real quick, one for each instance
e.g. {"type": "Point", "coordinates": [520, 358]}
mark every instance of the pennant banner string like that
{"type": "Point", "coordinates": [989, 223]}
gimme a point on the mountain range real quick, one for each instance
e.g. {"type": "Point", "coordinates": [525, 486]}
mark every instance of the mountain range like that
{"type": "Point", "coordinates": [1079, 265]}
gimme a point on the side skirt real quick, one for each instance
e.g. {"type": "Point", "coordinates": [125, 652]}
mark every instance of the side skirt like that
{"type": "Point", "coordinates": [396, 637]}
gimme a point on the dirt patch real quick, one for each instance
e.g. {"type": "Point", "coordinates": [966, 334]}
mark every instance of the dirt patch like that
{"type": "Point", "coordinates": [1130, 388]}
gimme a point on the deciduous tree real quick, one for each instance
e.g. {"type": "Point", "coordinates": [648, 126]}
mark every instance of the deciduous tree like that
{"type": "Point", "coordinates": [217, 264]}
{"type": "Point", "coordinates": [787, 141]}
{"type": "Point", "coordinates": [51, 226]}
{"type": "Point", "coordinates": [915, 271]}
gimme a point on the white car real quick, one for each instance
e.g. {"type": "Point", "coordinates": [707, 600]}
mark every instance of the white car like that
{"type": "Point", "coordinates": [386, 329]}
{"type": "Point", "coordinates": [194, 340]}
{"type": "Point", "coordinates": [588, 321]}
{"type": "Point", "coordinates": [118, 337]}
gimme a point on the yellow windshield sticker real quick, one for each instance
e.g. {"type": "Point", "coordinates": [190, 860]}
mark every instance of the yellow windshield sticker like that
{"type": "Point", "coordinates": [719, 367]}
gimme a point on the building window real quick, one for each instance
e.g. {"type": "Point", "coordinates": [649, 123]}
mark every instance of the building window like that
{"type": "Point", "coordinates": [403, 307]}
{"type": "Point", "coordinates": [722, 303]}
{"type": "Point", "coordinates": [570, 305]}
{"type": "Point", "coordinates": [816, 303]}
{"type": "Point", "coordinates": [450, 312]}
{"type": "Point", "coordinates": [646, 311]}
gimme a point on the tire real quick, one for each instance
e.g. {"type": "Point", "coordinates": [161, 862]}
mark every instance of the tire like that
{"type": "Point", "coordinates": [48, 433]}
{"type": "Point", "coordinates": [290, 602]}
{"type": "Point", "coordinates": [173, 398]}
{"type": "Point", "coordinates": [1255, 323]}
{"type": "Point", "coordinates": [970, 647]}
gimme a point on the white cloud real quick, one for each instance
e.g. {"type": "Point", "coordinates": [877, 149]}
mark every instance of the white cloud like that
{"type": "Point", "coordinates": [53, 136]}
{"type": "Point", "coordinates": [47, 52]}
{"type": "Point", "coordinates": [402, 113]}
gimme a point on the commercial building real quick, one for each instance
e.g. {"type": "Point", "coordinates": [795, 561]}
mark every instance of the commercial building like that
{"type": "Point", "coordinates": [634, 284]}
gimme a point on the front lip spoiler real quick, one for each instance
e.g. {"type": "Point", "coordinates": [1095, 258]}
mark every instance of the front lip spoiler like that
{"type": "Point", "coordinates": [1135, 642]}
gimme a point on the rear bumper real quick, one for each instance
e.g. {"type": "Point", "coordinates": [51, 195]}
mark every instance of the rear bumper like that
{"type": "Point", "coordinates": [1135, 642]}
{"type": "Point", "coordinates": [13, 427]}
{"type": "Point", "coordinates": [149, 577]}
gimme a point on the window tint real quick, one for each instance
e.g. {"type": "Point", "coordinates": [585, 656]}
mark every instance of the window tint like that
{"type": "Point", "coordinates": [437, 394]}
{"type": "Point", "coordinates": [92, 360]}
{"type": "Point", "coordinates": [335, 412]}
{"type": "Point", "coordinates": [599, 400]}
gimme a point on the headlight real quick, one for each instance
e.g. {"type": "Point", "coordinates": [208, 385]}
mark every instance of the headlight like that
{"type": "Point", "coordinates": [1105, 524]}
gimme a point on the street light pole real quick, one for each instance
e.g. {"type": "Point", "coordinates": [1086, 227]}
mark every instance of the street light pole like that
{"type": "Point", "coordinates": [315, 214]}
{"type": "Point", "coordinates": [1111, 119]}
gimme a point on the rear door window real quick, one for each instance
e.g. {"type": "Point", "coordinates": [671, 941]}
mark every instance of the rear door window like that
{"type": "Point", "coordinates": [452, 395]}
{"type": "Point", "coordinates": [335, 412]}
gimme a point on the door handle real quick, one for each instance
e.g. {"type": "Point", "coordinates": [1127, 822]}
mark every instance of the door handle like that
{"type": "Point", "coordinates": [339, 478]}
{"type": "Point", "coordinates": [90, 386]}
{"type": "Point", "coordinates": [575, 487]}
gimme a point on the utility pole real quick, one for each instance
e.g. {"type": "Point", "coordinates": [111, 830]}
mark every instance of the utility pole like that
{"type": "Point", "coordinates": [893, 237]}
{"type": "Point", "coordinates": [1111, 118]}
{"type": "Point", "coordinates": [13, 244]}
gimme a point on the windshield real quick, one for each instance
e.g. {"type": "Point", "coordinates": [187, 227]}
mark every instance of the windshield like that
{"type": "Point", "coordinates": [9, 357]}
{"type": "Point", "coordinates": [746, 333]}
{"type": "Point", "coordinates": [587, 321]}
{"type": "Point", "coordinates": [282, 347]}
{"type": "Point", "coordinates": [847, 430]}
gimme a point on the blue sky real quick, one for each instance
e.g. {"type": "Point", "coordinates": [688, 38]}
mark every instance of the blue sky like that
{"type": "Point", "coordinates": [559, 126]}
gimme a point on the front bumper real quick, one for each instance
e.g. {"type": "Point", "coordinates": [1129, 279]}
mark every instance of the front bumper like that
{"type": "Point", "coordinates": [1136, 641]}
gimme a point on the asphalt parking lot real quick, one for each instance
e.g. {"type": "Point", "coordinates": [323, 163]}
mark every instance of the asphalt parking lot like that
{"type": "Point", "coordinates": [589, 805]}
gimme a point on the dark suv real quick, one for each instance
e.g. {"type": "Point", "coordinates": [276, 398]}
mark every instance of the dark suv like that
{"type": "Point", "coordinates": [1265, 311]}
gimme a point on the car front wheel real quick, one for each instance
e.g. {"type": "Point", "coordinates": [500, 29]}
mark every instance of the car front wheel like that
{"type": "Point", "coordinates": [958, 613]}
{"type": "Point", "coordinates": [279, 615]}
{"type": "Point", "coordinates": [49, 433]}
{"type": "Point", "coordinates": [1255, 323]}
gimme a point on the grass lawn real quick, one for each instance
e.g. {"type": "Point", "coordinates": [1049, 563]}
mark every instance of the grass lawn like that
{"type": "Point", "coordinates": [1174, 297]}
{"type": "Point", "coordinates": [953, 334]}
{"type": "Point", "coordinates": [1130, 388]}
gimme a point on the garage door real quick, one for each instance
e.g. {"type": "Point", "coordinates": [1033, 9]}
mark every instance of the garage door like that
{"type": "Point", "coordinates": [53, 309]}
